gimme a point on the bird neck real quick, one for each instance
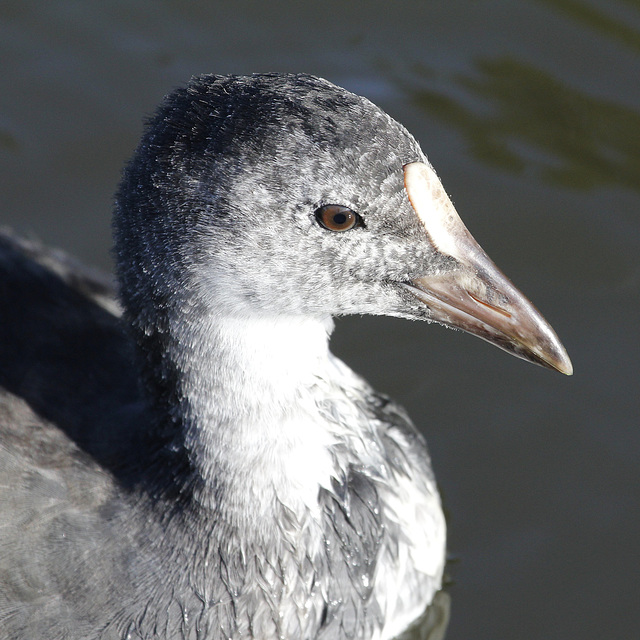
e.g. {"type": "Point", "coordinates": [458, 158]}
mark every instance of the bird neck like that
{"type": "Point", "coordinates": [239, 393]}
{"type": "Point", "coordinates": [247, 367]}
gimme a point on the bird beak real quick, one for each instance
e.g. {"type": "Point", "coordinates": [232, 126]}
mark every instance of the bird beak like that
{"type": "Point", "coordinates": [475, 295]}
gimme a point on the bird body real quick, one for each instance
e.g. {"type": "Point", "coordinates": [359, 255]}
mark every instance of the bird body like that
{"type": "Point", "coordinates": [203, 467]}
{"type": "Point", "coordinates": [307, 501]}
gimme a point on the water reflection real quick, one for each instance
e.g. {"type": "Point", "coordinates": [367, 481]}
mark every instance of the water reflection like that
{"type": "Point", "coordinates": [8, 142]}
{"type": "Point", "coordinates": [433, 623]}
{"type": "Point", "coordinates": [529, 120]}
{"type": "Point", "coordinates": [599, 21]}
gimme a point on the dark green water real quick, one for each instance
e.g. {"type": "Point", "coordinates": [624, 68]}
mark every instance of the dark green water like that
{"type": "Point", "coordinates": [530, 112]}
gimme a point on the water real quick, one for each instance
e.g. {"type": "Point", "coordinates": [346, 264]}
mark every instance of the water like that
{"type": "Point", "coordinates": [530, 112]}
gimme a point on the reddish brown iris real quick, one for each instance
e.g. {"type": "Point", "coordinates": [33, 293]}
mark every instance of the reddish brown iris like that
{"type": "Point", "coordinates": [335, 217]}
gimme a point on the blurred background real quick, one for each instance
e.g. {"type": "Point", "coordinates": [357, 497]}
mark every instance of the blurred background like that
{"type": "Point", "coordinates": [530, 112]}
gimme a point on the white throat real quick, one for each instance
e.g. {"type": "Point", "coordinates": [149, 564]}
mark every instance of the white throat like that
{"type": "Point", "coordinates": [250, 417]}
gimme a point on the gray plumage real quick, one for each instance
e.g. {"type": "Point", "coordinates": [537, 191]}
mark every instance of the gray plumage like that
{"type": "Point", "coordinates": [206, 468]}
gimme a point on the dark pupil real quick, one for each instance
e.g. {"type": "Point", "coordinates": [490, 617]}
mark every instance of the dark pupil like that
{"type": "Point", "coordinates": [339, 218]}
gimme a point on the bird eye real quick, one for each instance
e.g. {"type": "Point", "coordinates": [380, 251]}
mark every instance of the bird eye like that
{"type": "Point", "coordinates": [337, 218]}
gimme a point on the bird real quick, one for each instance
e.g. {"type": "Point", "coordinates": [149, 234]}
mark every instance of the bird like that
{"type": "Point", "coordinates": [185, 458]}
